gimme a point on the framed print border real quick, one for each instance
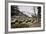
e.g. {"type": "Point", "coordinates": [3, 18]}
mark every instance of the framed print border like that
{"type": "Point", "coordinates": [6, 15]}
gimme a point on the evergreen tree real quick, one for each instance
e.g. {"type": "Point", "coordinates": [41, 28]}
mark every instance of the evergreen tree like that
{"type": "Point", "coordinates": [14, 10]}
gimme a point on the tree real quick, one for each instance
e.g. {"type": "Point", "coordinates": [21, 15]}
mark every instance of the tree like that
{"type": "Point", "coordinates": [14, 10]}
{"type": "Point", "coordinates": [34, 11]}
{"type": "Point", "coordinates": [39, 12]}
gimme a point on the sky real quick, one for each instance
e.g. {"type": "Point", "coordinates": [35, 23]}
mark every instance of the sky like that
{"type": "Point", "coordinates": [28, 10]}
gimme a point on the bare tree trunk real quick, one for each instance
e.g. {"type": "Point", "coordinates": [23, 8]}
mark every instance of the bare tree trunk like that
{"type": "Point", "coordinates": [34, 11]}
